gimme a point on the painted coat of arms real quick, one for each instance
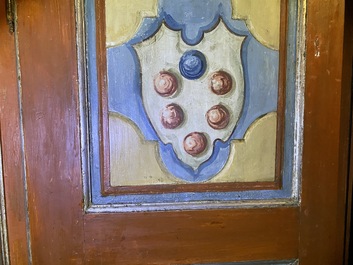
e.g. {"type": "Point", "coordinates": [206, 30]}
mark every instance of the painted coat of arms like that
{"type": "Point", "coordinates": [193, 95]}
{"type": "Point", "coordinates": [191, 80]}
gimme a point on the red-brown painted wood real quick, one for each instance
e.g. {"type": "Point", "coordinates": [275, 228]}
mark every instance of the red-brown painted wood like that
{"type": "Point", "coordinates": [191, 236]}
{"type": "Point", "coordinates": [11, 145]}
{"type": "Point", "coordinates": [62, 234]}
{"type": "Point", "coordinates": [327, 109]}
{"type": "Point", "coordinates": [46, 32]}
{"type": "Point", "coordinates": [347, 82]}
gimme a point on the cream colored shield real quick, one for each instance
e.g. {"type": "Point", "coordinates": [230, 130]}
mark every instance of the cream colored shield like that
{"type": "Point", "coordinates": [193, 95]}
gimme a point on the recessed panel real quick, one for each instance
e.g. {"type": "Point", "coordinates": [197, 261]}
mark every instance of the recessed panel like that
{"type": "Point", "coordinates": [190, 100]}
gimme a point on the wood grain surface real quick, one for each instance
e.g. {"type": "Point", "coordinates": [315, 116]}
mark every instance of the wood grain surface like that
{"type": "Point", "coordinates": [347, 81]}
{"type": "Point", "coordinates": [192, 236]}
{"type": "Point", "coordinates": [47, 50]}
{"type": "Point", "coordinates": [326, 134]}
{"type": "Point", "coordinates": [61, 233]}
{"type": "Point", "coordinates": [11, 145]}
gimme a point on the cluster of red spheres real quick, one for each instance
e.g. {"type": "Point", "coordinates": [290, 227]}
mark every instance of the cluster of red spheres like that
{"type": "Point", "coordinates": [166, 83]}
{"type": "Point", "coordinates": [172, 115]}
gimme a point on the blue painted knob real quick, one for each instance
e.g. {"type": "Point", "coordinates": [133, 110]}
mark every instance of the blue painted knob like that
{"type": "Point", "coordinates": [192, 64]}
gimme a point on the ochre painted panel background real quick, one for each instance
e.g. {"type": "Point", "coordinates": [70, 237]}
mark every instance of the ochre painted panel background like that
{"type": "Point", "coordinates": [259, 143]}
{"type": "Point", "coordinates": [124, 17]}
{"type": "Point", "coordinates": [262, 17]}
{"type": "Point", "coordinates": [134, 161]}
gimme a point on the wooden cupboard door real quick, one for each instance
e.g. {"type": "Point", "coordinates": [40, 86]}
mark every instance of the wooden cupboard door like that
{"type": "Point", "coordinates": [94, 172]}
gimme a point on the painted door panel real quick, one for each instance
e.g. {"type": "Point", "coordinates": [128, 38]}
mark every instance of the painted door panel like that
{"type": "Point", "coordinates": [43, 159]}
{"type": "Point", "coordinates": [124, 100]}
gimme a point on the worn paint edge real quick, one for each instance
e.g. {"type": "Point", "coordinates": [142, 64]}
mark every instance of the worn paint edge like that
{"type": "Point", "coordinates": [299, 100]}
{"type": "Point", "coordinates": [3, 220]}
{"type": "Point", "coordinates": [81, 47]}
{"type": "Point", "coordinates": [21, 130]}
{"type": "Point", "coordinates": [202, 205]}
{"type": "Point", "coordinates": [267, 262]}
{"type": "Point", "coordinates": [10, 17]}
